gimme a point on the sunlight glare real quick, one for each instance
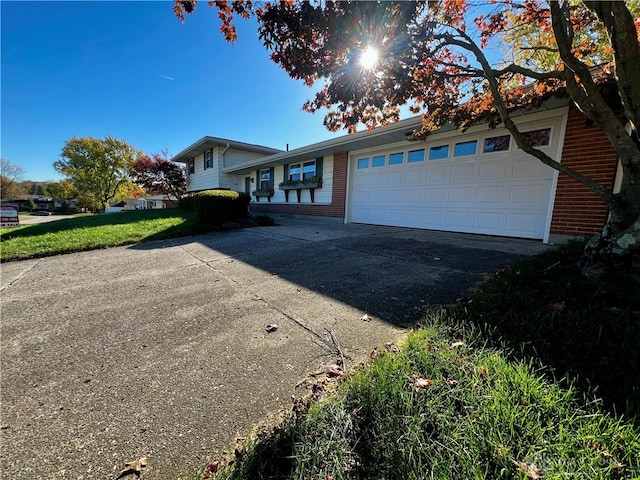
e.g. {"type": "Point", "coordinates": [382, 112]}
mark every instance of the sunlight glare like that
{"type": "Point", "coordinates": [369, 58]}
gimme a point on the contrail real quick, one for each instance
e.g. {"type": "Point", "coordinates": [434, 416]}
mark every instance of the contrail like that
{"type": "Point", "coordinates": [167, 77]}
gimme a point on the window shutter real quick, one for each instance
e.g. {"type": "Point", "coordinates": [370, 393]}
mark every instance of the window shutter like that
{"type": "Point", "coordinates": [271, 179]}
{"type": "Point", "coordinates": [286, 172]}
{"type": "Point", "coordinates": [319, 166]}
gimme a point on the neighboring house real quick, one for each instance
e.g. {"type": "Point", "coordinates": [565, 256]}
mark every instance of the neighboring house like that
{"type": "Point", "coordinates": [41, 202]}
{"type": "Point", "coordinates": [474, 182]}
{"type": "Point", "coordinates": [60, 203]}
{"type": "Point", "coordinates": [155, 201]}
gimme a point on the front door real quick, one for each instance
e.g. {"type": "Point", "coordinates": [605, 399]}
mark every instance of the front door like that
{"type": "Point", "coordinates": [247, 185]}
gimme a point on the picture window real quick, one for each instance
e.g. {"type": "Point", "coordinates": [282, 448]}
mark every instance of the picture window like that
{"type": "Point", "coordinates": [265, 179]}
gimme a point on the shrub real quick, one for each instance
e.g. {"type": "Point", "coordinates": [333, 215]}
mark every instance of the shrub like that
{"type": "Point", "coordinates": [214, 207]}
{"type": "Point", "coordinates": [187, 203]}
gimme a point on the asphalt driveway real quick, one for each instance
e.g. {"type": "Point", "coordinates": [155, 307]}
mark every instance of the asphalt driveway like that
{"type": "Point", "coordinates": [161, 349]}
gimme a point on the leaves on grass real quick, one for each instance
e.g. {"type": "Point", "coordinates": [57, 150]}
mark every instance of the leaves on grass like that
{"type": "Point", "coordinates": [457, 345]}
{"type": "Point", "coordinates": [136, 466]}
{"type": "Point", "coordinates": [529, 469]}
{"type": "Point", "coordinates": [419, 382]}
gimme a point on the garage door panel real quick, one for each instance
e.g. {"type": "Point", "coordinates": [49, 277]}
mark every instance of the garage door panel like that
{"type": "Point", "coordinates": [530, 167]}
{"type": "Point", "coordinates": [462, 173]}
{"type": "Point", "coordinates": [395, 177]}
{"type": "Point", "coordinates": [528, 194]}
{"type": "Point", "coordinates": [436, 195]}
{"type": "Point", "coordinates": [461, 194]}
{"type": "Point", "coordinates": [414, 195]}
{"type": "Point", "coordinates": [498, 170]}
{"type": "Point", "coordinates": [458, 219]}
{"type": "Point", "coordinates": [488, 222]}
{"type": "Point", "coordinates": [437, 175]}
{"type": "Point", "coordinates": [522, 224]}
{"type": "Point", "coordinates": [492, 194]}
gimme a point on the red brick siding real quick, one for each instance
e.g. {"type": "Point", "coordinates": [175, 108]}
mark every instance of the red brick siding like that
{"type": "Point", "coordinates": [338, 196]}
{"type": "Point", "coordinates": [577, 210]}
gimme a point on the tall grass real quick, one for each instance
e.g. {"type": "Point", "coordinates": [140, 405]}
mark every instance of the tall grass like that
{"type": "Point", "coordinates": [445, 407]}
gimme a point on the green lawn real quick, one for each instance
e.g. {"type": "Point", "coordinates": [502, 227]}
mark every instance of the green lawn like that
{"type": "Point", "coordinates": [533, 376]}
{"type": "Point", "coordinates": [86, 232]}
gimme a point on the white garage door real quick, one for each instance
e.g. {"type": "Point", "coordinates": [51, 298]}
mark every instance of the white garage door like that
{"type": "Point", "coordinates": [475, 184]}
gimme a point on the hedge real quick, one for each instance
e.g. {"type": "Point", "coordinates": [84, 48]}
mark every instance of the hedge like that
{"type": "Point", "coordinates": [214, 207]}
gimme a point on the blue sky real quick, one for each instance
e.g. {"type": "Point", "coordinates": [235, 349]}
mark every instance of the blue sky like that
{"type": "Point", "coordinates": [134, 71]}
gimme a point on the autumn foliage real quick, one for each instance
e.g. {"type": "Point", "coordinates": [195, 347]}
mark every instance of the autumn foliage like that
{"type": "Point", "coordinates": [159, 176]}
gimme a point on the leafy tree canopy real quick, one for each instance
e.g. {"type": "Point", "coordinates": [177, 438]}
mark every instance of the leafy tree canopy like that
{"type": "Point", "coordinates": [10, 175]}
{"type": "Point", "coordinates": [160, 176]}
{"type": "Point", "coordinates": [98, 168]}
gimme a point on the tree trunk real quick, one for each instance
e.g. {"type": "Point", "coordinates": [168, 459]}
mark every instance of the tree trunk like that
{"type": "Point", "coordinates": [616, 249]}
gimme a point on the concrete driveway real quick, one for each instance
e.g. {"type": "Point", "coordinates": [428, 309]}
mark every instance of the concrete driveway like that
{"type": "Point", "coordinates": [161, 348]}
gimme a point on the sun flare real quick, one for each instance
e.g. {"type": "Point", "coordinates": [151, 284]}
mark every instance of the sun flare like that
{"type": "Point", "coordinates": [368, 58]}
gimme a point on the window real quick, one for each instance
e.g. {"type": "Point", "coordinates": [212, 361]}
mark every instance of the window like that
{"type": "Point", "coordinates": [363, 163]}
{"type": "Point", "coordinates": [191, 166]}
{"type": "Point", "coordinates": [302, 171]}
{"type": "Point", "coordinates": [208, 159]}
{"type": "Point", "coordinates": [465, 148]}
{"type": "Point", "coordinates": [378, 161]}
{"type": "Point", "coordinates": [396, 158]}
{"type": "Point", "coordinates": [496, 144]}
{"type": "Point", "coordinates": [416, 156]}
{"type": "Point", "coordinates": [439, 153]}
{"type": "Point", "coordinates": [308, 170]}
{"type": "Point", "coordinates": [538, 138]}
{"type": "Point", "coordinates": [265, 179]}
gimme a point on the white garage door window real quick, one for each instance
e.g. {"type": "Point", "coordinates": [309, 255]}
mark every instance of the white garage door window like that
{"type": "Point", "coordinates": [476, 184]}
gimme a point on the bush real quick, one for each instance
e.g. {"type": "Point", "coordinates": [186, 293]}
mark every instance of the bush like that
{"type": "Point", "coordinates": [187, 203]}
{"type": "Point", "coordinates": [214, 207]}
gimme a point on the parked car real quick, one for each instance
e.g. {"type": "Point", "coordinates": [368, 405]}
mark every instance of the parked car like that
{"type": "Point", "coordinates": [42, 213]}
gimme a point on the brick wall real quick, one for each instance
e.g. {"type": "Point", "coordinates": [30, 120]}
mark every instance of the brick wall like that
{"type": "Point", "coordinates": [577, 210]}
{"type": "Point", "coordinates": [338, 196]}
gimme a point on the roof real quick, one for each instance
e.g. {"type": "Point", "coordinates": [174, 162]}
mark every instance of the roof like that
{"type": "Point", "coordinates": [205, 143]}
{"type": "Point", "coordinates": [394, 132]}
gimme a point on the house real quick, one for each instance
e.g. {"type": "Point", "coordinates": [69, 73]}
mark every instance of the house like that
{"type": "Point", "coordinates": [478, 181]}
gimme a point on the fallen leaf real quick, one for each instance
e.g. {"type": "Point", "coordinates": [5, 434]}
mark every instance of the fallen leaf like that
{"type": "Point", "coordinates": [457, 344]}
{"type": "Point", "coordinates": [136, 466]}
{"type": "Point", "coordinates": [529, 469]}
{"type": "Point", "coordinates": [334, 370]}
{"type": "Point", "coordinates": [272, 327]}
{"type": "Point", "coordinates": [374, 353]}
{"type": "Point", "coordinates": [420, 382]}
{"type": "Point", "coordinates": [365, 318]}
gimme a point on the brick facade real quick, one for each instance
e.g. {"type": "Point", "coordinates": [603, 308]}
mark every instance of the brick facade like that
{"type": "Point", "coordinates": [577, 210]}
{"type": "Point", "coordinates": [338, 196]}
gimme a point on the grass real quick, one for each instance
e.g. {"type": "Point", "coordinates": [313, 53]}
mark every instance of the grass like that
{"type": "Point", "coordinates": [535, 375]}
{"type": "Point", "coordinates": [87, 232]}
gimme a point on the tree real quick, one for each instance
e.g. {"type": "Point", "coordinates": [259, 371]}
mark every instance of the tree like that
{"type": "Point", "coordinates": [63, 190]}
{"type": "Point", "coordinates": [98, 168]}
{"type": "Point", "coordinates": [433, 56]}
{"type": "Point", "coordinates": [10, 175]}
{"type": "Point", "coordinates": [160, 176]}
